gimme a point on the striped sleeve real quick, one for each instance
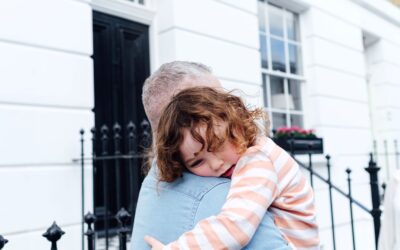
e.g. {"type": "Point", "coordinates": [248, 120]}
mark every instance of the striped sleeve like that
{"type": "Point", "coordinates": [294, 208]}
{"type": "Point", "coordinates": [253, 189]}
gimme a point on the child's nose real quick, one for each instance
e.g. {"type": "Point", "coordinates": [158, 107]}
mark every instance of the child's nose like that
{"type": "Point", "coordinates": [216, 163]}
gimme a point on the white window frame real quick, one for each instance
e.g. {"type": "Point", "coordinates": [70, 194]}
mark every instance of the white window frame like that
{"type": "Point", "coordinates": [285, 75]}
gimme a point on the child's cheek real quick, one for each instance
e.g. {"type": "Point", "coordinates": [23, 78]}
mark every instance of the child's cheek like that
{"type": "Point", "coordinates": [232, 158]}
{"type": "Point", "coordinates": [200, 171]}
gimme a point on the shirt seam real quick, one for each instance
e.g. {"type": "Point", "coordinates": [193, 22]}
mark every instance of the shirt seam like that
{"type": "Point", "coordinates": [196, 209]}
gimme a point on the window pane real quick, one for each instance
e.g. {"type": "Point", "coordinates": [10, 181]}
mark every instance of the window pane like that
{"type": "Point", "coordinates": [296, 120]}
{"type": "Point", "coordinates": [277, 92]}
{"type": "Point", "coordinates": [278, 55]}
{"type": "Point", "coordinates": [275, 16]}
{"type": "Point", "coordinates": [266, 97]}
{"type": "Point", "coordinates": [278, 120]}
{"type": "Point", "coordinates": [294, 95]}
{"type": "Point", "coordinates": [263, 51]}
{"type": "Point", "coordinates": [261, 16]}
{"type": "Point", "coordinates": [291, 25]}
{"type": "Point", "coordinates": [294, 59]}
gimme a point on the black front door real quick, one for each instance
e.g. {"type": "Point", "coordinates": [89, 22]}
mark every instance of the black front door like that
{"type": "Point", "coordinates": [121, 65]}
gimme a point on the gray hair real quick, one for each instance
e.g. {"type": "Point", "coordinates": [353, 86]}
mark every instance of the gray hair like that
{"type": "Point", "coordinates": [167, 80]}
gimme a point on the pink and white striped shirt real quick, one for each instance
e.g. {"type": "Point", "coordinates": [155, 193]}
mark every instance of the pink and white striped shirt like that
{"type": "Point", "coordinates": [265, 177]}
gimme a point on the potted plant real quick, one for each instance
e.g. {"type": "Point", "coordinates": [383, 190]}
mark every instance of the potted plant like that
{"type": "Point", "coordinates": [298, 141]}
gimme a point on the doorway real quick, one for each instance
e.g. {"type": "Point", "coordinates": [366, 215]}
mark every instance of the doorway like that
{"type": "Point", "coordinates": [121, 65]}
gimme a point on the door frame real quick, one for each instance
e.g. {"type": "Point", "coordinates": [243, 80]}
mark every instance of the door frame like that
{"type": "Point", "coordinates": [145, 14]}
{"type": "Point", "coordinates": [112, 35]}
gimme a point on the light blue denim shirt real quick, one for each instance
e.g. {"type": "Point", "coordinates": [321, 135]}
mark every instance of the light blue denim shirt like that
{"type": "Point", "coordinates": [167, 210]}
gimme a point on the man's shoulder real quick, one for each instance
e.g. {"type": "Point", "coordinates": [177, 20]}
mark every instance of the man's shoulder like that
{"type": "Point", "coordinates": [167, 210]}
{"type": "Point", "coordinates": [189, 184]}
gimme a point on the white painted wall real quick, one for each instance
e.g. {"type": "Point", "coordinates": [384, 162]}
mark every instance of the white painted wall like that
{"type": "Point", "coordinates": [383, 62]}
{"type": "Point", "coordinates": [220, 34]}
{"type": "Point", "coordinates": [46, 94]}
{"type": "Point", "coordinates": [340, 103]}
{"type": "Point", "coordinates": [46, 97]}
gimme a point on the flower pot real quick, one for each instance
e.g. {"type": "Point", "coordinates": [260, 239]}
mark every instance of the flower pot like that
{"type": "Point", "coordinates": [298, 145]}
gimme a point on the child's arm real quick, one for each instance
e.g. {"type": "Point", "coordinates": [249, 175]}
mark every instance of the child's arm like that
{"type": "Point", "coordinates": [253, 188]}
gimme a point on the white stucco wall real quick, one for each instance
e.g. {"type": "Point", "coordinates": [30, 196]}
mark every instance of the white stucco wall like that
{"type": "Point", "coordinates": [219, 34]}
{"type": "Point", "coordinates": [342, 108]}
{"type": "Point", "coordinates": [46, 97]}
{"type": "Point", "coordinates": [338, 109]}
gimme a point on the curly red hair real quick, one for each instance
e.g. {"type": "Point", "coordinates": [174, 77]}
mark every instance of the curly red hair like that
{"type": "Point", "coordinates": [202, 106]}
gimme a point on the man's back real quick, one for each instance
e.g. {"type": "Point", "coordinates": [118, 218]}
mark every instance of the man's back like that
{"type": "Point", "coordinates": [166, 210]}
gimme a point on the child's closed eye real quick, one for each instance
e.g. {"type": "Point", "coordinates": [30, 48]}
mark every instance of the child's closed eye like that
{"type": "Point", "coordinates": [196, 163]}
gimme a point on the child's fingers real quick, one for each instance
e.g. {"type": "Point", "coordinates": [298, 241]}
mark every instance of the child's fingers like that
{"type": "Point", "coordinates": [154, 243]}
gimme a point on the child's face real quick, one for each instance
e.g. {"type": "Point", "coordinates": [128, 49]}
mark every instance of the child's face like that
{"type": "Point", "coordinates": [219, 163]}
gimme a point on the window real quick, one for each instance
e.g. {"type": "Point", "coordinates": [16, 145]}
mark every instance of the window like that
{"type": "Point", "coordinates": [141, 2]}
{"type": "Point", "coordinates": [280, 50]}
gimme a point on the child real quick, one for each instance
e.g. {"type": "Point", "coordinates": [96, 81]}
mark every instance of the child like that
{"type": "Point", "coordinates": [212, 133]}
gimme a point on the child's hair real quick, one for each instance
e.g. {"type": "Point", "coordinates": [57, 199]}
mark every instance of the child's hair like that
{"type": "Point", "coordinates": [206, 106]}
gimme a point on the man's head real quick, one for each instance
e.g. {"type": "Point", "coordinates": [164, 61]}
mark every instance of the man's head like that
{"type": "Point", "coordinates": [168, 80]}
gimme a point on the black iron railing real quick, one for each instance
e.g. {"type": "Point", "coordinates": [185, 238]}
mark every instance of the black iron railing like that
{"type": "Point", "coordinates": [122, 150]}
{"type": "Point", "coordinates": [376, 196]}
{"type": "Point", "coordinates": [386, 152]}
{"type": "Point", "coordinates": [117, 160]}
{"type": "Point", "coordinates": [54, 232]}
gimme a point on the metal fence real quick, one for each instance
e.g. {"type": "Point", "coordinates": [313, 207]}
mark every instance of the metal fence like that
{"type": "Point", "coordinates": [122, 149]}
{"type": "Point", "coordinates": [117, 158]}
{"type": "Point", "coordinates": [386, 153]}
{"type": "Point", "coordinates": [54, 232]}
{"type": "Point", "coordinates": [376, 195]}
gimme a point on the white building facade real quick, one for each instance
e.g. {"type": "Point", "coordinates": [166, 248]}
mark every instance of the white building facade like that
{"type": "Point", "coordinates": [332, 66]}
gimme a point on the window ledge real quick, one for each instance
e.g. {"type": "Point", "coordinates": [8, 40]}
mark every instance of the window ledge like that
{"type": "Point", "coordinates": [297, 6]}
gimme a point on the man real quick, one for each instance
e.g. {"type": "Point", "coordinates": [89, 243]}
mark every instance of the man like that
{"type": "Point", "coordinates": [166, 210]}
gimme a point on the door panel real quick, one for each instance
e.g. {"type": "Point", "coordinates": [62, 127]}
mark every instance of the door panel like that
{"type": "Point", "coordinates": [121, 65]}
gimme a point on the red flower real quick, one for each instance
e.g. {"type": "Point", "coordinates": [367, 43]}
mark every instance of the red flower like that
{"type": "Point", "coordinates": [295, 131]}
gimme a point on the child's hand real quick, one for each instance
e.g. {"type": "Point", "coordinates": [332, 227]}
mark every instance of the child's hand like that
{"type": "Point", "coordinates": [154, 243]}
